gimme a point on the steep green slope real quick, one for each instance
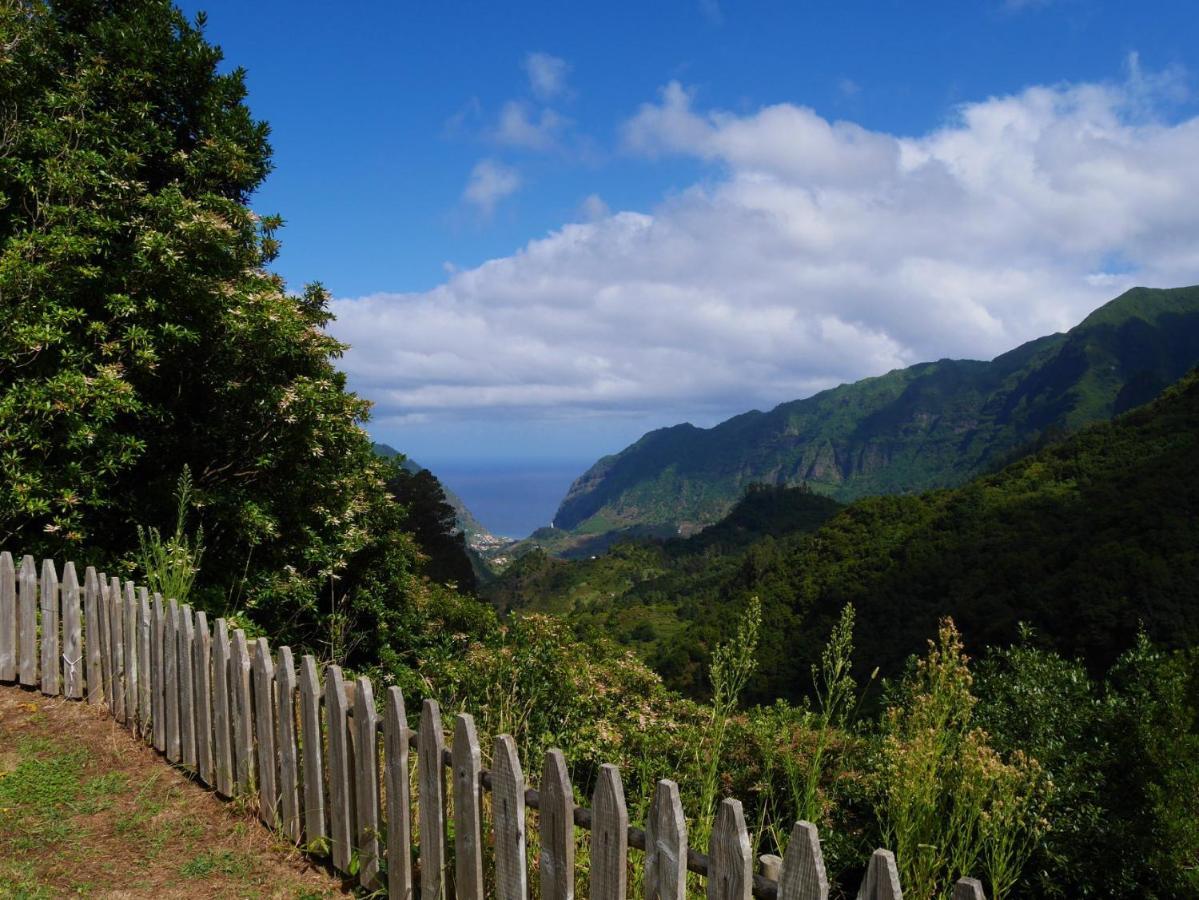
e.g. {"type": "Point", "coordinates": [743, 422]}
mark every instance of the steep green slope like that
{"type": "Point", "coordinates": [1086, 540]}
{"type": "Point", "coordinates": [930, 425]}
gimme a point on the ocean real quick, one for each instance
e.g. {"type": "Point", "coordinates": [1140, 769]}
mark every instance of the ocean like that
{"type": "Point", "coordinates": [512, 499]}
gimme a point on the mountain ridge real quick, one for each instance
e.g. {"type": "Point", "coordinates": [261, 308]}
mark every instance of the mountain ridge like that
{"type": "Point", "coordinates": [930, 425]}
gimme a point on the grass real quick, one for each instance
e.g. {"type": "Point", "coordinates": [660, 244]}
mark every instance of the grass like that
{"type": "Point", "coordinates": [84, 808]}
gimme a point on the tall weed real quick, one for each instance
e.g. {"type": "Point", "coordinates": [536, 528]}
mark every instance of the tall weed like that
{"type": "Point", "coordinates": [170, 565]}
{"type": "Point", "coordinates": [947, 804]}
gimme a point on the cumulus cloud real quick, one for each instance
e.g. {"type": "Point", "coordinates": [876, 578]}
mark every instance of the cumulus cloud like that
{"type": "Point", "coordinates": [816, 252]}
{"type": "Point", "coordinates": [489, 183]}
{"type": "Point", "coordinates": [547, 75]}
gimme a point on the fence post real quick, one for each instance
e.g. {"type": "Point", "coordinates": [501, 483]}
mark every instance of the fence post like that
{"type": "Point", "coordinates": [222, 716]}
{"type": "Point", "coordinates": [366, 777]}
{"type": "Point", "coordinates": [882, 878]}
{"type": "Point", "coordinates": [27, 622]}
{"type": "Point", "coordinates": [969, 889]}
{"type": "Point", "coordinates": [51, 664]}
{"type": "Point", "coordinates": [264, 727]}
{"type": "Point", "coordinates": [730, 858]}
{"type": "Point", "coordinates": [556, 829]}
{"type": "Point", "coordinates": [508, 821]}
{"type": "Point", "coordinates": [116, 640]}
{"type": "Point", "coordinates": [8, 618]}
{"type": "Point", "coordinates": [399, 796]}
{"type": "Point", "coordinates": [187, 692]}
{"type": "Point", "coordinates": [93, 639]}
{"type": "Point", "coordinates": [242, 713]}
{"type": "Point", "coordinates": [315, 831]}
{"type": "Point", "coordinates": [158, 696]}
{"type": "Point", "coordinates": [170, 683]}
{"type": "Point", "coordinates": [145, 663]}
{"type": "Point", "coordinates": [340, 818]}
{"type": "Point", "coordinates": [609, 837]}
{"type": "Point", "coordinates": [202, 687]}
{"type": "Point", "coordinates": [72, 634]}
{"type": "Point", "coordinates": [285, 710]}
{"type": "Point", "coordinates": [431, 808]}
{"type": "Point", "coordinates": [468, 819]}
{"type": "Point", "coordinates": [803, 876]}
{"type": "Point", "coordinates": [666, 845]}
{"type": "Point", "coordinates": [129, 640]}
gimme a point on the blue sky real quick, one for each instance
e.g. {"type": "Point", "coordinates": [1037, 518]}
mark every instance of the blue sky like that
{"type": "Point", "coordinates": [696, 208]}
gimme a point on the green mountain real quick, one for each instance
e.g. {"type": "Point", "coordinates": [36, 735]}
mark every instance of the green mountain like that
{"type": "Point", "coordinates": [1086, 540]}
{"type": "Point", "coordinates": [467, 523]}
{"type": "Point", "coordinates": [930, 425]}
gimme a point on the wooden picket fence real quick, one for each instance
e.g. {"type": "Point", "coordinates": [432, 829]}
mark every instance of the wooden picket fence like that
{"type": "Point", "coordinates": [331, 774]}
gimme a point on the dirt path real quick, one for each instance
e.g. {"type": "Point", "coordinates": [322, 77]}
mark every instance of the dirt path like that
{"type": "Point", "coordinates": [87, 810]}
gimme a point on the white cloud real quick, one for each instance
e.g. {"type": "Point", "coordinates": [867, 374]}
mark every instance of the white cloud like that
{"type": "Point", "coordinates": [818, 252]}
{"type": "Point", "coordinates": [489, 183]}
{"type": "Point", "coordinates": [547, 75]}
{"type": "Point", "coordinates": [520, 127]}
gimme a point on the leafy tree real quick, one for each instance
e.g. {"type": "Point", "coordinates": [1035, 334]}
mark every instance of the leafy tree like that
{"type": "Point", "coordinates": [143, 333]}
{"type": "Point", "coordinates": [433, 523]}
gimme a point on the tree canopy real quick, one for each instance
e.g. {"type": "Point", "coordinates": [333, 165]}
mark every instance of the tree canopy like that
{"type": "Point", "coordinates": [143, 332]}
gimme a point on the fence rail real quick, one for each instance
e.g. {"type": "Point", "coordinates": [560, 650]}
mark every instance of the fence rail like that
{"type": "Point", "coordinates": [329, 772]}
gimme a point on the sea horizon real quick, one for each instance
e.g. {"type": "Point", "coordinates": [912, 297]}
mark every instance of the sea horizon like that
{"type": "Point", "coordinates": [511, 498]}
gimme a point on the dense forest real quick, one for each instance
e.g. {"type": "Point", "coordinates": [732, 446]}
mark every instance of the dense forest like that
{"type": "Point", "coordinates": [1085, 540]}
{"type": "Point", "coordinates": [172, 411]}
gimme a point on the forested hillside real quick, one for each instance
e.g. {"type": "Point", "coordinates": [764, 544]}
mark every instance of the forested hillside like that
{"type": "Point", "coordinates": [1086, 540]}
{"type": "Point", "coordinates": [931, 425]}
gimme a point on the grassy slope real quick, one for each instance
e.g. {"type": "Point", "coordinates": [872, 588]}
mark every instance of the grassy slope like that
{"type": "Point", "coordinates": [1085, 540]}
{"type": "Point", "coordinates": [85, 810]}
{"type": "Point", "coordinates": [930, 425]}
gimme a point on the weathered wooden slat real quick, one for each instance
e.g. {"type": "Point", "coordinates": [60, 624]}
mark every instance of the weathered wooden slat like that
{"type": "Point", "coordinates": [609, 837]}
{"type": "Point", "coordinates": [969, 889]}
{"type": "Point", "coordinates": [666, 845]}
{"type": "Point", "coordinates": [170, 680]}
{"type": "Point", "coordinates": [202, 686]}
{"type": "Point", "coordinates": [882, 878]}
{"type": "Point", "coordinates": [73, 664]}
{"type": "Point", "coordinates": [289, 777]}
{"type": "Point", "coordinates": [8, 618]}
{"type": "Point", "coordinates": [129, 635]}
{"type": "Point", "coordinates": [264, 728]}
{"type": "Point", "coordinates": [158, 696]}
{"type": "Point", "coordinates": [399, 796]}
{"type": "Point", "coordinates": [508, 821]}
{"type": "Point", "coordinates": [93, 639]}
{"type": "Point", "coordinates": [242, 713]}
{"type": "Point", "coordinates": [27, 622]}
{"type": "Point", "coordinates": [802, 876]}
{"type": "Point", "coordinates": [316, 832]}
{"type": "Point", "coordinates": [431, 807]}
{"type": "Point", "coordinates": [51, 656]}
{"type": "Point", "coordinates": [222, 715]}
{"type": "Point", "coordinates": [145, 663]}
{"type": "Point", "coordinates": [116, 640]}
{"type": "Point", "coordinates": [468, 814]}
{"type": "Point", "coordinates": [187, 688]}
{"type": "Point", "coordinates": [730, 857]}
{"type": "Point", "coordinates": [366, 784]}
{"type": "Point", "coordinates": [556, 829]}
{"type": "Point", "coordinates": [103, 617]}
{"type": "Point", "coordinates": [341, 821]}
